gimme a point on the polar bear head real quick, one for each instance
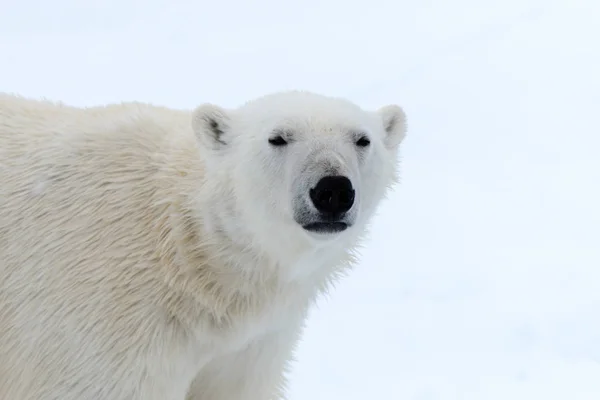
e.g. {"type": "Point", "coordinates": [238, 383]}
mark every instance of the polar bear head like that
{"type": "Point", "coordinates": [295, 170]}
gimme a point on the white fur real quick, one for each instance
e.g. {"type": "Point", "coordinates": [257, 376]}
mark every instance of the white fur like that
{"type": "Point", "coordinates": [153, 254]}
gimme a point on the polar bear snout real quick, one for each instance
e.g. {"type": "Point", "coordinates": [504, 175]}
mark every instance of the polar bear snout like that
{"type": "Point", "coordinates": [332, 196]}
{"type": "Point", "coordinates": [328, 206]}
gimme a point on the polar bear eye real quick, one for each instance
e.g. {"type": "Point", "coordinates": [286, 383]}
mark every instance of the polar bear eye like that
{"type": "Point", "coordinates": [277, 141]}
{"type": "Point", "coordinates": [363, 142]}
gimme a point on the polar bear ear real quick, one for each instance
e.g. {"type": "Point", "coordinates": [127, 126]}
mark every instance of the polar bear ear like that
{"type": "Point", "coordinates": [211, 125]}
{"type": "Point", "coordinates": [393, 119]}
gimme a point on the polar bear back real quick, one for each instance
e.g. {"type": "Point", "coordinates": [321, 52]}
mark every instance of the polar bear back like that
{"type": "Point", "coordinates": [80, 215]}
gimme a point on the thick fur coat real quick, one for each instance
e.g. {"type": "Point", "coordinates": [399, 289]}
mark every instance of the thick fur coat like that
{"type": "Point", "coordinates": [132, 263]}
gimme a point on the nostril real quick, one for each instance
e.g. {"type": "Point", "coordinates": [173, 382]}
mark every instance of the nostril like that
{"type": "Point", "coordinates": [333, 195]}
{"type": "Point", "coordinates": [346, 197]}
{"type": "Point", "coordinates": [324, 197]}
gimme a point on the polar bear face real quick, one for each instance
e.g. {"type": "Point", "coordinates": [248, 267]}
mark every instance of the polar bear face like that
{"type": "Point", "coordinates": [298, 168]}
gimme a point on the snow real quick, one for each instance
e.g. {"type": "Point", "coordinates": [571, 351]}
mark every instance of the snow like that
{"type": "Point", "coordinates": [481, 279]}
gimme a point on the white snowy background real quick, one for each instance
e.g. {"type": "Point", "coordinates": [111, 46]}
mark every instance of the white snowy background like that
{"type": "Point", "coordinates": [481, 279]}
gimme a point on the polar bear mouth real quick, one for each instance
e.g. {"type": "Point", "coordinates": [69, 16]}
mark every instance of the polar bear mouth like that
{"type": "Point", "coordinates": [326, 227]}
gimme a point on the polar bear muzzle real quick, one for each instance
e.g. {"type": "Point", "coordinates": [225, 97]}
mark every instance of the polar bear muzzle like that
{"type": "Point", "coordinates": [332, 197]}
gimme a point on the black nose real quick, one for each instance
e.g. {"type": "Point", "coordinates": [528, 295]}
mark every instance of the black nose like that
{"type": "Point", "coordinates": [333, 195]}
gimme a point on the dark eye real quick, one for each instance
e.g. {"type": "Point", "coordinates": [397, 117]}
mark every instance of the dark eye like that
{"type": "Point", "coordinates": [277, 141]}
{"type": "Point", "coordinates": [363, 142]}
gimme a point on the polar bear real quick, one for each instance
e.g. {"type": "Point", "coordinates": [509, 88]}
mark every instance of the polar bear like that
{"type": "Point", "coordinates": [156, 254]}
